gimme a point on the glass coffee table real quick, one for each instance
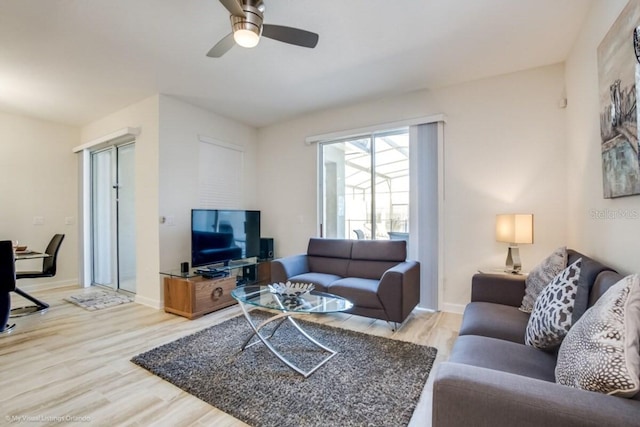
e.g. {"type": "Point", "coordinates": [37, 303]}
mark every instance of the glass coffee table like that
{"type": "Point", "coordinates": [312, 302]}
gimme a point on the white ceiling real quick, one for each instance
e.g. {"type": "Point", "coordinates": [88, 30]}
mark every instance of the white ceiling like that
{"type": "Point", "coordinates": [74, 61]}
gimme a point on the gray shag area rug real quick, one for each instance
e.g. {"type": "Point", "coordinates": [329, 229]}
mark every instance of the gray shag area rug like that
{"type": "Point", "coordinates": [97, 300]}
{"type": "Point", "coordinates": [372, 381]}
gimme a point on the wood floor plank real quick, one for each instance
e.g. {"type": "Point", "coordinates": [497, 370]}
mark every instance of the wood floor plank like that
{"type": "Point", "coordinates": [70, 362]}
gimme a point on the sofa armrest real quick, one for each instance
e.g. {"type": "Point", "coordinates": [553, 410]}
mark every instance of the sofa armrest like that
{"type": "Point", "coordinates": [284, 268]}
{"type": "Point", "coordinates": [399, 290]}
{"type": "Point", "coordinates": [498, 288]}
{"type": "Point", "coordinates": [465, 395]}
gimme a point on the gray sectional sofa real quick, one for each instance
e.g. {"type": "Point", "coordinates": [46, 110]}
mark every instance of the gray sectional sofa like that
{"type": "Point", "coordinates": [493, 379]}
{"type": "Point", "coordinates": [373, 274]}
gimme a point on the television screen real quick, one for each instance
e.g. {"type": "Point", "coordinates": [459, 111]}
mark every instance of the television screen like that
{"type": "Point", "coordinates": [219, 235]}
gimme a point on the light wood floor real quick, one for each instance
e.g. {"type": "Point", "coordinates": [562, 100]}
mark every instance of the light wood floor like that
{"type": "Point", "coordinates": [70, 362]}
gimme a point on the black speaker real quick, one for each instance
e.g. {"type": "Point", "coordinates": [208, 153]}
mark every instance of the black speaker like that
{"type": "Point", "coordinates": [266, 248]}
{"type": "Point", "coordinates": [249, 274]}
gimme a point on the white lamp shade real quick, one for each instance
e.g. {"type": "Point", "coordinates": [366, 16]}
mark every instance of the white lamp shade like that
{"type": "Point", "coordinates": [514, 228]}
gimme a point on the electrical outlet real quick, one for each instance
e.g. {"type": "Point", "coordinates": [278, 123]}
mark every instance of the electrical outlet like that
{"type": "Point", "coordinates": [69, 220]}
{"type": "Point", "coordinates": [38, 220]}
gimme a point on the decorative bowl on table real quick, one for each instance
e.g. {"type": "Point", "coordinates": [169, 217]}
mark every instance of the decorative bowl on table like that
{"type": "Point", "coordinates": [291, 290]}
{"type": "Point", "coordinates": [291, 294]}
{"type": "Point", "coordinates": [21, 248]}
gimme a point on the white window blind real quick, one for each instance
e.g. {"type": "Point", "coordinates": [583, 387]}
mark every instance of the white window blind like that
{"type": "Point", "coordinates": [220, 172]}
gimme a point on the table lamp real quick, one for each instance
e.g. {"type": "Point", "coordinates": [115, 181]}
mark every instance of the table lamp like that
{"type": "Point", "coordinates": [514, 229]}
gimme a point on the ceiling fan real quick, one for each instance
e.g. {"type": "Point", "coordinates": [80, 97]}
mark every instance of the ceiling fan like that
{"type": "Point", "coordinates": [247, 27]}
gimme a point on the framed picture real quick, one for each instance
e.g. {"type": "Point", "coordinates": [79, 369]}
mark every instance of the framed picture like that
{"type": "Point", "coordinates": [618, 72]}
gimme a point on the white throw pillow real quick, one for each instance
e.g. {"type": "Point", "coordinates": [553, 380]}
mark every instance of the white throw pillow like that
{"type": "Point", "coordinates": [602, 350]}
{"type": "Point", "coordinates": [553, 311]}
{"type": "Point", "coordinates": [541, 275]}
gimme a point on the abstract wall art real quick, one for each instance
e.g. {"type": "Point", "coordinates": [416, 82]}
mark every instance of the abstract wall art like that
{"type": "Point", "coordinates": [619, 74]}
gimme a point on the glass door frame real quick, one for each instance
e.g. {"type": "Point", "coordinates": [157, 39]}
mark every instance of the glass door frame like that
{"type": "Point", "coordinates": [114, 238]}
{"type": "Point", "coordinates": [126, 256]}
{"type": "Point", "coordinates": [321, 194]}
{"type": "Point", "coordinates": [112, 215]}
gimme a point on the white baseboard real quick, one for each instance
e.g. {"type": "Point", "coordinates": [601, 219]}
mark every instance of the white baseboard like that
{"type": "Point", "coordinates": [418, 308]}
{"type": "Point", "coordinates": [453, 308]}
{"type": "Point", "coordinates": [149, 302]}
{"type": "Point", "coordinates": [447, 307]}
{"type": "Point", "coordinates": [36, 286]}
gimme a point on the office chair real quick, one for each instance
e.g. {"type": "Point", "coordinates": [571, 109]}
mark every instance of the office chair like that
{"type": "Point", "coordinates": [7, 283]}
{"type": "Point", "coordinates": [48, 270]}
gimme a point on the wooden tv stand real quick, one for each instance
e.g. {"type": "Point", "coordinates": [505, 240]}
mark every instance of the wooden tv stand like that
{"type": "Point", "coordinates": [192, 296]}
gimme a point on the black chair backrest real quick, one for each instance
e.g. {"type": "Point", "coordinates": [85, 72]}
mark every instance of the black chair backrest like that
{"type": "Point", "coordinates": [7, 267]}
{"type": "Point", "coordinates": [49, 263]}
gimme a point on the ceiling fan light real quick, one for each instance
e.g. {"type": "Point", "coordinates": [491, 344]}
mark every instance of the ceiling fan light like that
{"type": "Point", "coordinates": [246, 38]}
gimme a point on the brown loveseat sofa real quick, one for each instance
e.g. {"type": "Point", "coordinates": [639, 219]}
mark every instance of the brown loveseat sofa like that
{"type": "Point", "coordinates": [373, 274]}
{"type": "Point", "coordinates": [493, 379]}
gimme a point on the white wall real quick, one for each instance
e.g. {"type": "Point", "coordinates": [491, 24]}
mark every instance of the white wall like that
{"type": "Point", "coordinates": [38, 177]}
{"type": "Point", "coordinates": [167, 178]}
{"type": "Point", "coordinates": [145, 115]}
{"type": "Point", "coordinates": [614, 239]}
{"type": "Point", "coordinates": [180, 125]}
{"type": "Point", "coordinates": [504, 152]}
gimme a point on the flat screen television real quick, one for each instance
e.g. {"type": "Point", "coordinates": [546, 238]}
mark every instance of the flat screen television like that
{"type": "Point", "coordinates": [222, 235]}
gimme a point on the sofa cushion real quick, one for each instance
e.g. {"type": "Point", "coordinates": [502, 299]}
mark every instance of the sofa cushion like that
{"type": "Point", "coordinates": [370, 259]}
{"type": "Point", "coordinates": [321, 280]}
{"type": "Point", "coordinates": [602, 351]}
{"type": "Point", "coordinates": [588, 274]}
{"type": "Point", "coordinates": [380, 250]}
{"type": "Point", "coordinates": [332, 248]}
{"type": "Point", "coordinates": [504, 356]}
{"type": "Point", "coordinates": [603, 282]}
{"type": "Point", "coordinates": [541, 275]}
{"type": "Point", "coordinates": [335, 266]}
{"type": "Point", "coordinates": [552, 313]}
{"type": "Point", "coordinates": [329, 256]}
{"type": "Point", "coordinates": [369, 269]}
{"type": "Point", "coordinates": [494, 320]}
{"type": "Point", "coordinates": [362, 292]}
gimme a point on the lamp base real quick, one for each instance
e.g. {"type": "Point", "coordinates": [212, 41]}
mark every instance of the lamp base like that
{"type": "Point", "coordinates": [513, 263]}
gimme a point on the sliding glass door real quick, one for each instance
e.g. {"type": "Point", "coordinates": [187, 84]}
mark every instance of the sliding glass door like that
{"type": "Point", "coordinates": [113, 217]}
{"type": "Point", "coordinates": [126, 227]}
{"type": "Point", "coordinates": [365, 187]}
{"type": "Point", "coordinates": [102, 214]}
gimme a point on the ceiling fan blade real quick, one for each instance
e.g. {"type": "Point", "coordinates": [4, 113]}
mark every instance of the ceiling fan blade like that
{"type": "Point", "coordinates": [222, 46]}
{"type": "Point", "coordinates": [234, 7]}
{"type": "Point", "coordinates": [290, 35]}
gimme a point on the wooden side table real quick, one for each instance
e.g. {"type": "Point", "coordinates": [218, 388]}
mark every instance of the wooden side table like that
{"type": "Point", "coordinates": [497, 270]}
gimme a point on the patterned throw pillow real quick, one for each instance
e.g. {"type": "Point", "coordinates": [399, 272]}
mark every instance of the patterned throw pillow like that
{"type": "Point", "coordinates": [541, 276]}
{"type": "Point", "coordinates": [552, 314]}
{"type": "Point", "coordinates": [601, 352]}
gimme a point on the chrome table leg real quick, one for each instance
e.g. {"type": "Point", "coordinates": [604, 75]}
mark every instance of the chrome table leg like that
{"type": "Point", "coordinates": [265, 340]}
